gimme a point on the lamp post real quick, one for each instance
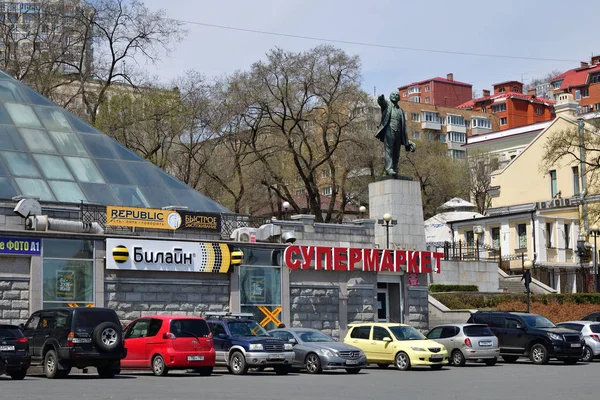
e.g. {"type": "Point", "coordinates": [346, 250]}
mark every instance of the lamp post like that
{"type": "Point", "coordinates": [387, 222]}
{"type": "Point", "coordinates": [362, 210]}
{"type": "Point", "coordinates": [527, 265]}
{"type": "Point", "coordinates": [285, 206]}
{"type": "Point", "coordinates": [595, 231]}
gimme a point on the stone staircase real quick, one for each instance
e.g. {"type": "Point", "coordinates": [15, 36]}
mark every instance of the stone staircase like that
{"type": "Point", "coordinates": [513, 284]}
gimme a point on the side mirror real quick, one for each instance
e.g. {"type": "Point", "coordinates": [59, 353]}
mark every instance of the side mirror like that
{"type": "Point", "coordinates": [387, 339]}
{"type": "Point", "coordinates": [520, 326]}
{"type": "Point", "coordinates": [222, 336]}
{"type": "Point", "coordinates": [293, 341]}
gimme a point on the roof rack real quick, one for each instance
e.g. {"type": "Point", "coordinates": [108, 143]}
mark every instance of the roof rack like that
{"type": "Point", "coordinates": [224, 315]}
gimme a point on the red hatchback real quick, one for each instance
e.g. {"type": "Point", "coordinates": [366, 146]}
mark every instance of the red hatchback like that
{"type": "Point", "coordinates": [165, 342]}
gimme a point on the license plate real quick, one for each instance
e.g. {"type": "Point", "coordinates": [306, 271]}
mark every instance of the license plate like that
{"type": "Point", "coordinates": [436, 358]}
{"type": "Point", "coordinates": [485, 344]}
{"type": "Point", "coordinates": [195, 358]}
{"type": "Point", "coordinates": [575, 344]}
{"type": "Point", "coordinates": [275, 357]}
{"type": "Point", "coordinates": [351, 362]}
{"type": "Point", "coordinates": [7, 348]}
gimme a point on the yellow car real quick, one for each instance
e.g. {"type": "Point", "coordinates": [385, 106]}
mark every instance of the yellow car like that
{"type": "Point", "coordinates": [398, 344]}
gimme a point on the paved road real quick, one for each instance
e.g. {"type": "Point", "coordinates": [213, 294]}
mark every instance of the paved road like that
{"type": "Point", "coordinates": [472, 382]}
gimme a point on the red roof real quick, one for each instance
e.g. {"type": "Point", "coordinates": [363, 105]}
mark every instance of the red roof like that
{"type": "Point", "coordinates": [436, 79]}
{"type": "Point", "coordinates": [528, 97]}
{"type": "Point", "coordinates": [576, 76]}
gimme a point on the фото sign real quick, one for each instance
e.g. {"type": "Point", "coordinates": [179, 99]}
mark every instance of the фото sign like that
{"type": "Point", "coordinates": [162, 219]}
{"type": "Point", "coordinates": [20, 246]}
{"type": "Point", "coordinates": [161, 255]}
{"type": "Point", "coordinates": [368, 260]}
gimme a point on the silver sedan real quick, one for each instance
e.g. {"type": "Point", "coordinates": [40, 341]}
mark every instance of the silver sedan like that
{"type": "Point", "coordinates": [591, 333]}
{"type": "Point", "coordinates": [315, 351]}
{"type": "Point", "coordinates": [467, 342]}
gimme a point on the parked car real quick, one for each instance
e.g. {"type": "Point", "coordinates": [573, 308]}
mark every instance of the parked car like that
{"type": "Point", "coordinates": [14, 352]}
{"type": "Point", "coordinates": [592, 317]}
{"type": "Point", "coordinates": [315, 351]}
{"type": "Point", "coordinates": [165, 342]}
{"type": "Point", "coordinates": [531, 335]}
{"type": "Point", "coordinates": [591, 334]}
{"type": "Point", "coordinates": [467, 342]}
{"type": "Point", "coordinates": [398, 344]}
{"type": "Point", "coordinates": [63, 338]}
{"type": "Point", "coordinates": [241, 343]}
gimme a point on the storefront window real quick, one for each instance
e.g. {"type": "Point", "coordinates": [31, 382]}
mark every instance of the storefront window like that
{"type": "Point", "coordinates": [68, 273]}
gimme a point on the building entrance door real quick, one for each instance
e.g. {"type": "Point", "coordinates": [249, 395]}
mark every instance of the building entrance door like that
{"type": "Point", "coordinates": [383, 305]}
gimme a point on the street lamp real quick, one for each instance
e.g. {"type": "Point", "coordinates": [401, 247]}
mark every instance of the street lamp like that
{"type": "Point", "coordinates": [386, 222]}
{"type": "Point", "coordinates": [362, 210]}
{"type": "Point", "coordinates": [527, 265]}
{"type": "Point", "coordinates": [285, 206]}
{"type": "Point", "coordinates": [595, 231]}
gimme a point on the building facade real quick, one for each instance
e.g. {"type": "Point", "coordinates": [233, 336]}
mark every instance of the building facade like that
{"type": "Point", "coordinates": [443, 92]}
{"type": "Point", "coordinates": [583, 83]}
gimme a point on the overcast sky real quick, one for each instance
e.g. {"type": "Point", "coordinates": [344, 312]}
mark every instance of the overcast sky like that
{"type": "Point", "coordinates": [550, 29]}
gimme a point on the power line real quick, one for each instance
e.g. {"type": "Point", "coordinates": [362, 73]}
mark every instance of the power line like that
{"type": "Point", "coordinates": [384, 46]}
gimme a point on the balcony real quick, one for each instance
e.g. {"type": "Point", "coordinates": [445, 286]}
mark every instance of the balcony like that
{"type": "Point", "coordinates": [450, 127]}
{"type": "Point", "coordinates": [433, 125]}
{"type": "Point", "coordinates": [480, 131]}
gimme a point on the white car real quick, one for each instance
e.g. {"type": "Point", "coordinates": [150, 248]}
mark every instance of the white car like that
{"type": "Point", "coordinates": [591, 333]}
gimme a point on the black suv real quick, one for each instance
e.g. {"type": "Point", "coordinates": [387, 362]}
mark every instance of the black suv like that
{"type": "Point", "coordinates": [531, 335]}
{"type": "Point", "coordinates": [63, 338]}
{"type": "Point", "coordinates": [14, 352]}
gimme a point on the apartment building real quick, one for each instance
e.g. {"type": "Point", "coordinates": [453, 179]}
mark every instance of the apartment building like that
{"type": "Point", "coordinates": [583, 83]}
{"type": "Point", "coordinates": [513, 107]}
{"type": "Point", "coordinates": [446, 124]}
{"type": "Point", "coordinates": [445, 92]}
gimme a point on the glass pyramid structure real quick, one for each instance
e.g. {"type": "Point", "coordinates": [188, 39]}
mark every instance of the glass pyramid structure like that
{"type": "Point", "coordinates": [47, 152]}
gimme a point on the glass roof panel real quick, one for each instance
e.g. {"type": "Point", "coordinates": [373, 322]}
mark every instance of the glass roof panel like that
{"type": "Point", "coordinates": [37, 140]}
{"type": "Point", "coordinates": [67, 192]}
{"type": "Point", "coordinates": [130, 196]}
{"type": "Point", "coordinates": [20, 164]}
{"type": "Point", "coordinates": [125, 153]}
{"type": "Point", "coordinates": [4, 118]}
{"type": "Point", "coordinates": [143, 173]}
{"type": "Point", "coordinates": [158, 198]}
{"type": "Point", "coordinates": [99, 194]}
{"type": "Point", "coordinates": [10, 92]}
{"type": "Point", "coordinates": [114, 171]}
{"type": "Point", "coordinates": [79, 125]}
{"type": "Point", "coordinates": [36, 98]}
{"type": "Point", "coordinates": [68, 143]}
{"type": "Point", "coordinates": [23, 115]}
{"type": "Point", "coordinates": [84, 169]}
{"type": "Point", "coordinates": [8, 189]}
{"type": "Point", "coordinates": [99, 146]}
{"type": "Point", "coordinates": [53, 167]}
{"type": "Point", "coordinates": [10, 139]}
{"type": "Point", "coordinates": [53, 118]}
{"type": "Point", "coordinates": [35, 188]}
{"type": "Point", "coordinates": [3, 169]}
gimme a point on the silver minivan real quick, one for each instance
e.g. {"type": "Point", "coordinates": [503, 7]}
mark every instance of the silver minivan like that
{"type": "Point", "coordinates": [467, 342]}
{"type": "Point", "coordinates": [591, 333]}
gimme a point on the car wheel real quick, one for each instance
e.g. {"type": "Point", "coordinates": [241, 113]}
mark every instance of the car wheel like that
{"type": "Point", "coordinates": [436, 366]}
{"type": "Point", "coordinates": [238, 365]}
{"type": "Point", "coordinates": [51, 366]}
{"type": "Point", "coordinates": [510, 359]}
{"type": "Point", "coordinates": [571, 361]}
{"type": "Point", "coordinates": [353, 371]}
{"type": "Point", "coordinates": [205, 371]}
{"type": "Point", "coordinates": [106, 372]}
{"type": "Point", "coordinates": [588, 354]}
{"type": "Point", "coordinates": [539, 354]}
{"type": "Point", "coordinates": [313, 364]}
{"type": "Point", "coordinates": [402, 361]}
{"type": "Point", "coordinates": [107, 336]}
{"type": "Point", "coordinates": [18, 375]}
{"type": "Point", "coordinates": [158, 366]}
{"type": "Point", "coordinates": [383, 366]}
{"type": "Point", "coordinates": [282, 370]}
{"type": "Point", "coordinates": [458, 358]}
{"type": "Point", "coordinates": [490, 362]}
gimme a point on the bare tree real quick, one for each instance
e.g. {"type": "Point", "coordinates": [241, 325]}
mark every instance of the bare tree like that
{"type": "Point", "coordinates": [480, 177]}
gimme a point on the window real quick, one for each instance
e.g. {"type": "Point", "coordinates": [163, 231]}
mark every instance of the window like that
{"type": "Point", "coordinates": [435, 333]}
{"type": "Point", "coordinates": [67, 192]}
{"type": "Point", "coordinates": [576, 188]}
{"type": "Point", "coordinates": [403, 94]}
{"type": "Point", "coordinates": [455, 120]}
{"type": "Point", "coordinates": [84, 169]}
{"type": "Point", "coordinates": [503, 121]}
{"type": "Point", "coordinates": [585, 92]}
{"type": "Point", "coordinates": [430, 116]}
{"type": "Point", "coordinates": [379, 333]}
{"type": "Point", "coordinates": [539, 110]}
{"type": "Point", "coordinates": [577, 94]}
{"type": "Point", "coordinates": [427, 88]}
{"type": "Point", "coordinates": [458, 154]}
{"type": "Point", "coordinates": [53, 119]}
{"type": "Point", "coordinates": [457, 137]}
{"type": "Point", "coordinates": [567, 234]}
{"type": "Point", "coordinates": [549, 234]}
{"type": "Point", "coordinates": [442, 137]}
{"type": "Point", "coordinates": [477, 330]}
{"type": "Point", "coordinates": [68, 143]}
{"type": "Point", "coordinates": [416, 135]}
{"type": "Point", "coordinates": [415, 117]}
{"type": "Point", "coordinates": [501, 90]}
{"type": "Point", "coordinates": [442, 120]}
{"type": "Point", "coordinates": [430, 136]}
{"type": "Point", "coordinates": [470, 238]}
{"type": "Point", "coordinates": [427, 100]}
{"type": "Point", "coordinates": [326, 191]}
{"type": "Point", "coordinates": [512, 323]}
{"type": "Point", "coordinates": [415, 99]}
{"type": "Point", "coordinates": [597, 107]}
{"type": "Point", "coordinates": [361, 332]}
{"type": "Point", "coordinates": [190, 328]}
{"type": "Point", "coordinates": [35, 188]}
{"type": "Point", "coordinates": [496, 238]}
{"type": "Point", "coordinates": [522, 236]}
{"type": "Point", "coordinates": [596, 78]}
{"type": "Point", "coordinates": [449, 331]}
{"type": "Point", "coordinates": [139, 329]}
{"type": "Point", "coordinates": [482, 123]}
{"type": "Point", "coordinates": [556, 85]}
{"type": "Point", "coordinates": [499, 107]}
{"type": "Point", "coordinates": [414, 89]}
{"type": "Point", "coordinates": [553, 184]}
{"type": "Point", "coordinates": [155, 326]}
{"type": "Point", "coordinates": [326, 173]}
{"type": "Point", "coordinates": [53, 167]}
{"type": "Point", "coordinates": [23, 115]}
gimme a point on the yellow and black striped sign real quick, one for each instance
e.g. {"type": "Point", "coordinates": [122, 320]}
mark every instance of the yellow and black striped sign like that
{"type": "Point", "coordinates": [120, 254]}
{"type": "Point", "coordinates": [237, 257]}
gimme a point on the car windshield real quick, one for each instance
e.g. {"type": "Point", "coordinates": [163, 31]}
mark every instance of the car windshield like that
{"type": "Point", "coordinates": [595, 328]}
{"type": "Point", "coordinates": [189, 328]}
{"type": "Point", "coordinates": [477, 330]}
{"type": "Point", "coordinates": [406, 333]}
{"type": "Point", "coordinates": [246, 328]}
{"type": "Point", "coordinates": [314, 337]}
{"type": "Point", "coordinates": [537, 321]}
{"type": "Point", "coordinates": [91, 318]}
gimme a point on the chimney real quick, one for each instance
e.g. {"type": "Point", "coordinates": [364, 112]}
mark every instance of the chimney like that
{"type": "Point", "coordinates": [450, 76]}
{"type": "Point", "coordinates": [595, 60]}
{"type": "Point", "coordinates": [532, 91]}
{"type": "Point", "coordinates": [486, 92]}
{"type": "Point", "coordinates": [583, 64]}
{"type": "Point", "coordinates": [566, 105]}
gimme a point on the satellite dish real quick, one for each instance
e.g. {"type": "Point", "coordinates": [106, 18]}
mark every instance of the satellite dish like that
{"type": "Point", "coordinates": [27, 207]}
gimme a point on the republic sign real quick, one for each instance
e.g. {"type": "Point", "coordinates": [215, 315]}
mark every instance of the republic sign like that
{"type": "Point", "coordinates": [356, 259]}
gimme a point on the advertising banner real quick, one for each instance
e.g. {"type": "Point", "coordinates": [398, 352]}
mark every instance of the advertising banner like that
{"type": "Point", "coordinates": [153, 218]}
{"type": "Point", "coordinates": [20, 246]}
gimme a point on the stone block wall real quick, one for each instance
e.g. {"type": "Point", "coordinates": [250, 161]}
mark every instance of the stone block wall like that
{"type": "Point", "coordinates": [418, 307]}
{"type": "Point", "coordinates": [133, 298]}
{"type": "Point", "coordinates": [14, 300]}
{"type": "Point", "coordinates": [362, 305]}
{"type": "Point", "coordinates": [315, 307]}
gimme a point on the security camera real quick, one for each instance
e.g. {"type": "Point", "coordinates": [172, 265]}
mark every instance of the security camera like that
{"type": "Point", "coordinates": [288, 237]}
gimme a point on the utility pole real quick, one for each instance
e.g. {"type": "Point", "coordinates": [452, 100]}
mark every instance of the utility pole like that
{"type": "Point", "coordinates": [584, 216]}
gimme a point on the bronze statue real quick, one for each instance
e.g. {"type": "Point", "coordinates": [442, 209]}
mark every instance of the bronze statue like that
{"type": "Point", "coordinates": [392, 132]}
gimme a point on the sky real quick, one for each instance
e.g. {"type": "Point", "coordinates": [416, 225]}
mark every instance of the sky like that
{"type": "Point", "coordinates": [526, 30]}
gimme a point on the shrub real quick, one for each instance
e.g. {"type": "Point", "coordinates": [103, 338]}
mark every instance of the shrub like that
{"type": "Point", "coordinates": [436, 288]}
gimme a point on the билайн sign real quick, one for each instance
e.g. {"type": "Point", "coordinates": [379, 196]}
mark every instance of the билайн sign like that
{"type": "Point", "coordinates": [152, 218]}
